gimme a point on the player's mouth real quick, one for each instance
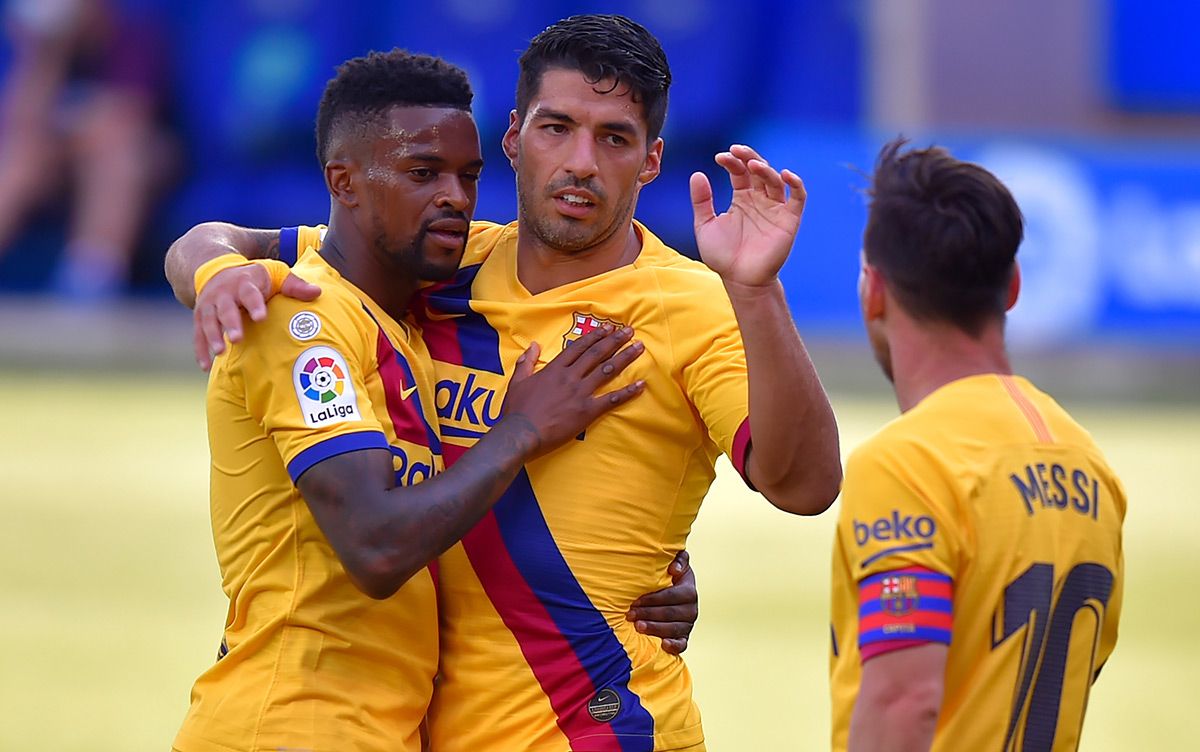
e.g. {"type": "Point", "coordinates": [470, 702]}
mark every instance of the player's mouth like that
{"type": "Point", "coordinates": [448, 233]}
{"type": "Point", "coordinates": [574, 203]}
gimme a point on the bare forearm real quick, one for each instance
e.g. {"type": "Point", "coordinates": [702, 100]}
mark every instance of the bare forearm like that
{"type": "Point", "coordinates": [384, 537]}
{"type": "Point", "coordinates": [899, 700]}
{"type": "Point", "coordinates": [897, 725]}
{"type": "Point", "coordinates": [207, 241]}
{"type": "Point", "coordinates": [795, 460]}
{"type": "Point", "coordinates": [445, 508]}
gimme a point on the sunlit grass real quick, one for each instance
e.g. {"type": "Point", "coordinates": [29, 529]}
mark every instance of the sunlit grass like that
{"type": "Point", "coordinates": [112, 603]}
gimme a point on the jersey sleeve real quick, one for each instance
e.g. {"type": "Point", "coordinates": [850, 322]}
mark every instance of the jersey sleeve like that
{"type": "Point", "coordinates": [294, 240]}
{"type": "Point", "coordinates": [897, 525]}
{"type": "Point", "coordinates": [304, 374]}
{"type": "Point", "coordinates": [712, 363]}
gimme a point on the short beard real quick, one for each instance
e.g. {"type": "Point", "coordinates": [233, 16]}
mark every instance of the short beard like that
{"type": "Point", "coordinates": [561, 235]}
{"type": "Point", "coordinates": [410, 260]}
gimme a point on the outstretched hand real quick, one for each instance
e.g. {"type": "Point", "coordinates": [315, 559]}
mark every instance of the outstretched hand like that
{"type": "Point", "coordinates": [219, 306]}
{"type": "Point", "coordinates": [748, 243]}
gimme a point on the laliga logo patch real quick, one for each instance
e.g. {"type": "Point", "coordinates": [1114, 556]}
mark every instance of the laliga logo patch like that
{"type": "Point", "coordinates": [323, 387]}
{"type": "Point", "coordinates": [582, 324]}
{"type": "Point", "coordinates": [604, 706]}
{"type": "Point", "coordinates": [304, 325]}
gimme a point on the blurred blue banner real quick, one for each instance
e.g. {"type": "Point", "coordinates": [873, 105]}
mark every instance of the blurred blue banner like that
{"type": "Point", "coordinates": [1153, 63]}
{"type": "Point", "coordinates": [1112, 241]}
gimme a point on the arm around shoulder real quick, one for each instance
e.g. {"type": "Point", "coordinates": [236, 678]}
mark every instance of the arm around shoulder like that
{"type": "Point", "coordinates": [207, 241]}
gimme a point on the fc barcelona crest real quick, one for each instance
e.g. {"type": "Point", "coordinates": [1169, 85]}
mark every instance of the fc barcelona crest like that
{"type": "Point", "coordinates": [584, 323]}
{"type": "Point", "coordinates": [899, 595]}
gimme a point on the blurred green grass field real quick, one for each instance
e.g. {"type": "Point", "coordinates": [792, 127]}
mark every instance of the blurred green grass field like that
{"type": "Point", "coordinates": [112, 605]}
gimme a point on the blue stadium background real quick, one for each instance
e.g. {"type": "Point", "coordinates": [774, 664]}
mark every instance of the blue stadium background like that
{"type": "Point", "coordinates": [1113, 249]}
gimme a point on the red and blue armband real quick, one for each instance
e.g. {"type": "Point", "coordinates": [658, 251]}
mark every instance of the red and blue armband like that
{"type": "Point", "coordinates": [903, 608]}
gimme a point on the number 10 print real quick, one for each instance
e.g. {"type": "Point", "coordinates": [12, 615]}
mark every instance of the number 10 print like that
{"type": "Point", "coordinates": [1029, 603]}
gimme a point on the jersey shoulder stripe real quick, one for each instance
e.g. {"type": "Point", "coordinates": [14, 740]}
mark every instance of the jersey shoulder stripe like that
{"type": "Point", "coordinates": [342, 444]}
{"type": "Point", "coordinates": [454, 332]}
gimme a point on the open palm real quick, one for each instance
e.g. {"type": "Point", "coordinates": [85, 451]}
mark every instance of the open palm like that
{"type": "Point", "coordinates": [748, 243]}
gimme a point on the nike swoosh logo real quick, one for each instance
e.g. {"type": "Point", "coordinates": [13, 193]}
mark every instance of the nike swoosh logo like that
{"type": "Point", "coordinates": [429, 314]}
{"type": "Point", "coordinates": [406, 393]}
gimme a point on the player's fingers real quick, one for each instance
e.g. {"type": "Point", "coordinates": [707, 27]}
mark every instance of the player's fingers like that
{"type": "Point", "coordinates": [600, 350]}
{"type": "Point", "coordinates": [679, 566]}
{"type": "Point", "coordinates": [768, 180]}
{"type": "Point", "coordinates": [759, 180]}
{"type": "Point", "coordinates": [611, 400]}
{"type": "Point", "coordinates": [666, 629]}
{"type": "Point", "coordinates": [758, 186]}
{"type": "Point", "coordinates": [210, 330]}
{"type": "Point", "coordinates": [574, 350]}
{"type": "Point", "coordinates": [294, 287]}
{"type": "Point", "coordinates": [679, 613]}
{"type": "Point", "coordinates": [526, 362]}
{"type": "Point", "coordinates": [200, 342]}
{"type": "Point", "coordinates": [739, 176]}
{"type": "Point", "coordinates": [798, 195]}
{"type": "Point", "coordinates": [681, 599]}
{"type": "Point", "coordinates": [702, 199]}
{"type": "Point", "coordinates": [229, 317]}
{"type": "Point", "coordinates": [607, 370]}
{"type": "Point", "coordinates": [251, 299]}
{"type": "Point", "coordinates": [675, 646]}
{"type": "Point", "coordinates": [746, 153]}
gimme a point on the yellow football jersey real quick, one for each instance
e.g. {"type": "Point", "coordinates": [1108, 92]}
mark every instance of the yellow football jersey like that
{"type": "Point", "coordinates": [536, 652]}
{"type": "Point", "coordinates": [987, 519]}
{"type": "Point", "coordinates": [307, 660]}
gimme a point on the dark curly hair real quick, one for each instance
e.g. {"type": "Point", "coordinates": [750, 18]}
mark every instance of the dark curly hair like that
{"type": "Point", "coordinates": [602, 47]}
{"type": "Point", "coordinates": [944, 235]}
{"type": "Point", "coordinates": [365, 87]}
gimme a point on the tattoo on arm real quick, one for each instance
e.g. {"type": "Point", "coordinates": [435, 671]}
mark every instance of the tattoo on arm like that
{"type": "Point", "coordinates": [266, 244]}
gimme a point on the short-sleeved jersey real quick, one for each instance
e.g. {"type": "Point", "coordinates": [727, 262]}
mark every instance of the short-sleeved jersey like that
{"type": "Point", "coordinates": [536, 652]}
{"type": "Point", "coordinates": [987, 519]}
{"type": "Point", "coordinates": [307, 660]}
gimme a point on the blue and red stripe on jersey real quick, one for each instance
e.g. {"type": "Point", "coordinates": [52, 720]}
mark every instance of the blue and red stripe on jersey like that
{"type": "Point", "coordinates": [454, 332]}
{"type": "Point", "coordinates": [902, 608]}
{"type": "Point", "coordinates": [407, 413]}
{"type": "Point", "coordinates": [566, 642]}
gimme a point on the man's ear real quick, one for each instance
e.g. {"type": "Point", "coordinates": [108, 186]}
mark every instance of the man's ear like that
{"type": "Point", "coordinates": [512, 139]}
{"type": "Point", "coordinates": [340, 180]}
{"type": "Point", "coordinates": [1014, 286]}
{"type": "Point", "coordinates": [653, 164]}
{"type": "Point", "coordinates": [873, 293]}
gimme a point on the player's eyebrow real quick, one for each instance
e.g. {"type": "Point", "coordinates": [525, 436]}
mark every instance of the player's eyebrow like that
{"type": "Point", "coordinates": [616, 126]}
{"type": "Point", "coordinates": [437, 159]}
{"type": "Point", "coordinates": [548, 114]}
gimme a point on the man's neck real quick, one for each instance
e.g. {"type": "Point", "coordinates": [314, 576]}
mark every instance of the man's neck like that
{"type": "Point", "coordinates": [927, 356]}
{"type": "Point", "coordinates": [541, 267]}
{"type": "Point", "coordinates": [347, 251]}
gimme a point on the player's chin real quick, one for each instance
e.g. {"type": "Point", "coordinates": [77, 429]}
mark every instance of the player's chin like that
{"type": "Point", "coordinates": [440, 269]}
{"type": "Point", "coordinates": [440, 260]}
